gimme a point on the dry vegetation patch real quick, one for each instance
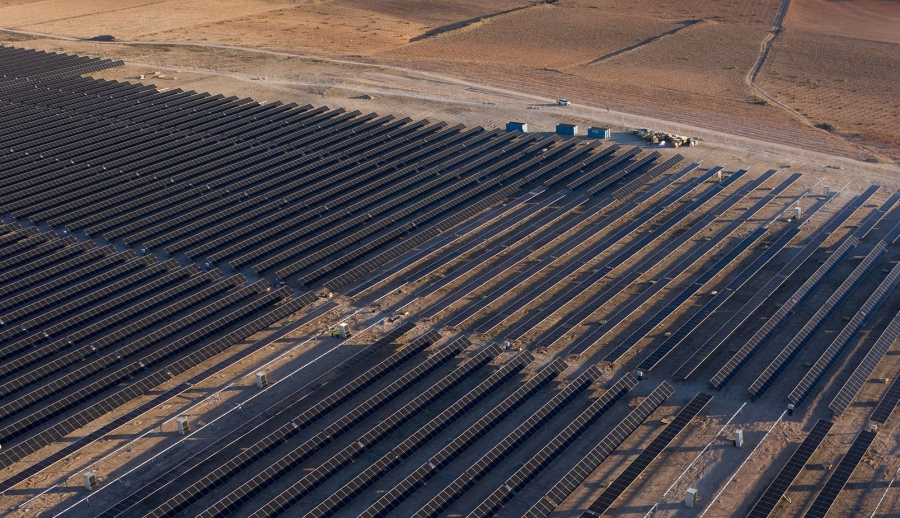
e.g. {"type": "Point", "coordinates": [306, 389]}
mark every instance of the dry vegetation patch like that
{"type": "Point", "coordinates": [706, 58]}
{"type": "Point", "coordinates": [539, 37]}
{"type": "Point", "coordinates": [750, 12]}
{"type": "Point", "coordinates": [435, 14]}
{"type": "Point", "coordinates": [852, 89]}
{"type": "Point", "coordinates": [876, 20]}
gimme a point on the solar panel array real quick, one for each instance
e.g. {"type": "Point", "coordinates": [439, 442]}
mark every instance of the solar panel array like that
{"type": "Point", "coordinates": [582, 470]}
{"type": "Point", "coordinates": [653, 359]}
{"type": "Point", "coordinates": [866, 367]}
{"type": "Point", "coordinates": [625, 345]}
{"type": "Point", "coordinates": [458, 487]}
{"type": "Point", "coordinates": [216, 477]}
{"type": "Point", "coordinates": [23, 65]}
{"type": "Point", "coordinates": [727, 372]}
{"type": "Point", "coordinates": [841, 474]}
{"type": "Point", "coordinates": [815, 322]}
{"type": "Point", "coordinates": [400, 491]}
{"type": "Point", "coordinates": [563, 273]}
{"type": "Point", "coordinates": [782, 482]}
{"type": "Point", "coordinates": [643, 460]}
{"type": "Point", "coordinates": [840, 343]}
{"type": "Point", "coordinates": [605, 267]}
{"type": "Point", "coordinates": [157, 485]}
{"type": "Point", "coordinates": [232, 179]}
{"type": "Point", "coordinates": [535, 232]}
{"type": "Point", "coordinates": [292, 460]}
{"type": "Point", "coordinates": [369, 476]}
{"type": "Point", "coordinates": [761, 295]}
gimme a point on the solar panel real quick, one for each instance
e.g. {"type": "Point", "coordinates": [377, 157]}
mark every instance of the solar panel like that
{"type": "Point", "coordinates": [815, 323]}
{"type": "Point", "coordinates": [782, 482]}
{"type": "Point", "coordinates": [643, 460]}
{"type": "Point", "coordinates": [577, 474]}
{"type": "Point", "coordinates": [828, 358]}
{"type": "Point", "coordinates": [888, 402]}
{"type": "Point", "coordinates": [841, 475]}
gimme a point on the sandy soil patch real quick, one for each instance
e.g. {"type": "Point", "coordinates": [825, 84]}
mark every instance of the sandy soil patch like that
{"type": "Point", "coordinates": [727, 11]}
{"type": "Point", "coordinates": [876, 20]}
{"type": "Point", "coordinates": [540, 37]}
{"type": "Point", "coordinates": [706, 58]}
{"type": "Point", "coordinates": [125, 20]}
{"type": "Point", "coordinates": [436, 14]}
{"type": "Point", "coordinates": [854, 88]}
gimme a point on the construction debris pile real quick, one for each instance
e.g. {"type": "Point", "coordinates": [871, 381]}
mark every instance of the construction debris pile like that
{"type": "Point", "coordinates": [658, 138]}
